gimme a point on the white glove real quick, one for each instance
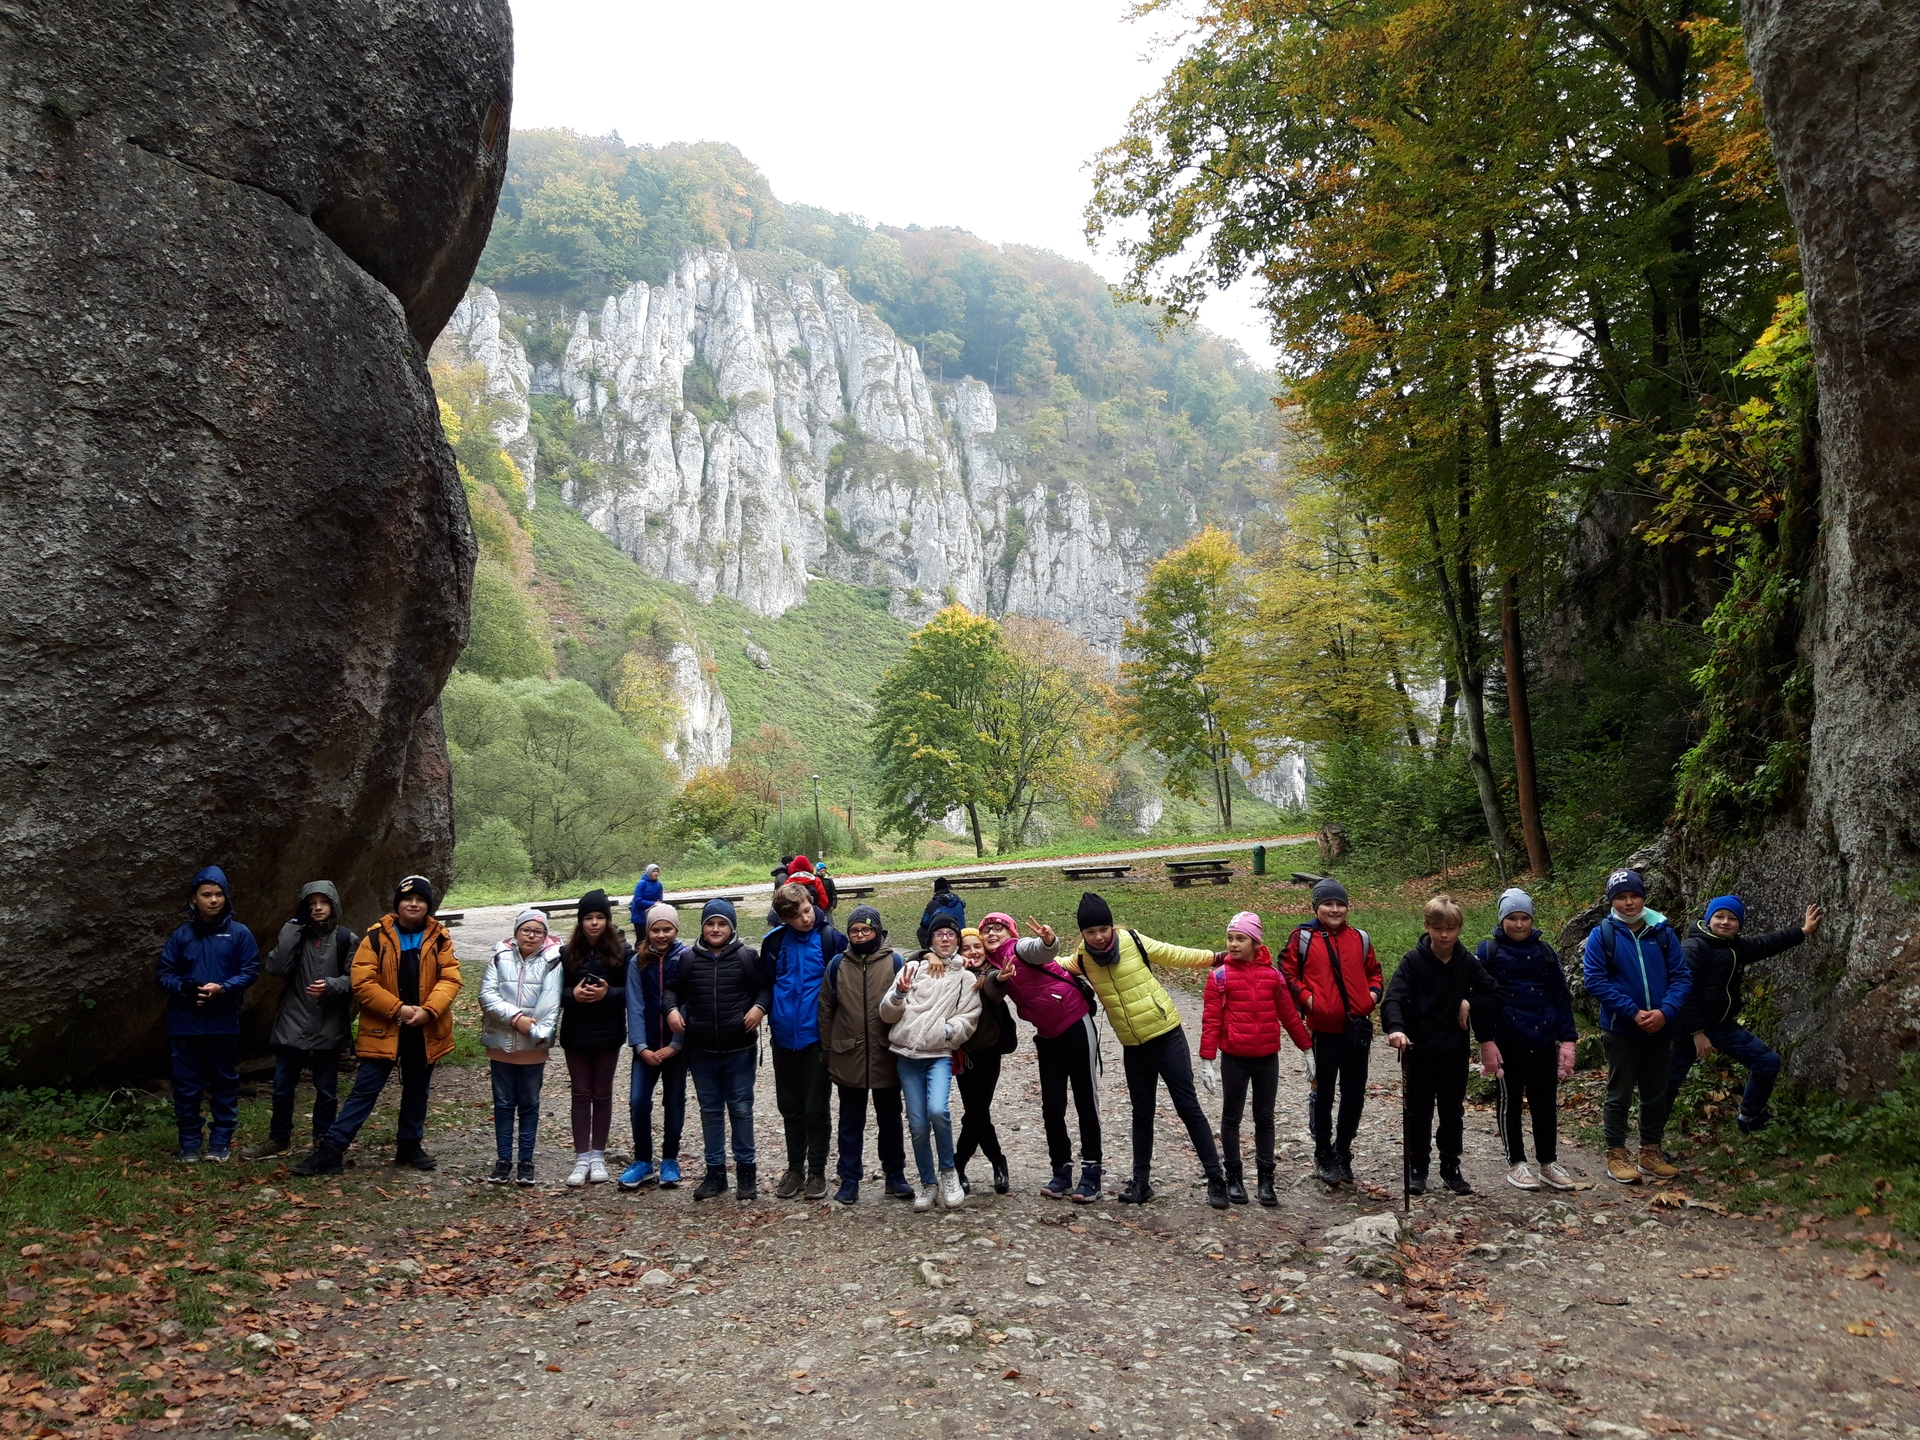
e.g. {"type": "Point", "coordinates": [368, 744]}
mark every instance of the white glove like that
{"type": "Point", "coordinates": [1210, 1076]}
{"type": "Point", "coordinates": [1306, 1061]}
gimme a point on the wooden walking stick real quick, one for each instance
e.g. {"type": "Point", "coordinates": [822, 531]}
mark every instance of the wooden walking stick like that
{"type": "Point", "coordinates": [1406, 1164]}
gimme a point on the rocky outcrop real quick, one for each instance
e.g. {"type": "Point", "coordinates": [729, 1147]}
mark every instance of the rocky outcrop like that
{"type": "Point", "coordinates": [755, 425]}
{"type": "Point", "coordinates": [237, 554]}
{"type": "Point", "coordinates": [703, 733]}
{"type": "Point", "coordinates": [1842, 99]}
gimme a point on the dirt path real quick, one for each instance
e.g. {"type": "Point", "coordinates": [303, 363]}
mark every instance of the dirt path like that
{"type": "Point", "coordinates": [604, 1314]}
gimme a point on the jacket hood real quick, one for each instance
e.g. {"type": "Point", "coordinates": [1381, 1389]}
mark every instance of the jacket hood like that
{"type": "Point", "coordinates": [213, 875]}
{"type": "Point", "coordinates": [1261, 956]}
{"type": "Point", "coordinates": [1652, 916]}
{"type": "Point", "coordinates": [307, 892]}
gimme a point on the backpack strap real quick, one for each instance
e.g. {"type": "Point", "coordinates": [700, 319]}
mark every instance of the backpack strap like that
{"type": "Point", "coordinates": [1141, 946]}
{"type": "Point", "coordinates": [1219, 976]}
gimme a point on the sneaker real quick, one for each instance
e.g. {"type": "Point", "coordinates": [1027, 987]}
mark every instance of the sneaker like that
{"type": "Point", "coordinates": [266, 1150]}
{"type": "Point", "coordinates": [218, 1154]}
{"type": "Point", "coordinates": [789, 1186]}
{"type": "Point", "coordinates": [410, 1154]}
{"type": "Point", "coordinates": [502, 1172]}
{"type": "Point", "coordinates": [321, 1160]}
{"type": "Point", "coordinates": [1060, 1184]}
{"type": "Point", "coordinates": [848, 1193]}
{"type": "Point", "coordinates": [898, 1188]}
{"type": "Point", "coordinates": [1217, 1191]}
{"type": "Point", "coordinates": [1753, 1124]}
{"type": "Point", "coordinates": [1416, 1182]}
{"type": "Point", "coordinates": [1326, 1171]}
{"type": "Point", "coordinates": [1088, 1190]}
{"type": "Point", "coordinates": [1521, 1177]}
{"type": "Point", "coordinates": [1002, 1180]}
{"type": "Point", "coordinates": [669, 1174]}
{"type": "Point", "coordinates": [1345, 1162]}
{"type": "Point", "coordinates": [189, 1157]}
{"type": "Point", "coordinates": [816, 1186]}
{"type": "Point", "coordinates": [951, 1195]}
{"type": "Point", "coordinates": [1558, 1177]}
{"type": "Point", "coordinates": [1451, 1177]}
{"type": "Point", "coordinates": [1652, 1164]}
{"type": "Point", "coordinates": [577, 1177]}
{"type": "Point", "coordinates": [714, 1185]}
{"type": "Point", "coordinates": [1620, 1166]}
{"type": "Point", "coordinates": [639, 1173]}
{"type": "Point", "coordinates": [597, 1170]}
{"type": "Point", "coordinates": [922, 1198]}
{"type": "Point", "coordinates": [523, 1173]}
{"type": "Point", "coordinates": [1137, 1191]}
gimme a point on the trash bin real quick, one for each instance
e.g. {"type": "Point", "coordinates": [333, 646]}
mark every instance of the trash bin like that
{"type": "Point", "coordinates": [1259, 859]}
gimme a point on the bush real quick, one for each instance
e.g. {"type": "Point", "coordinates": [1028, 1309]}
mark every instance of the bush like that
{"type": "Point", "coordinates": [493, 858]}
{"type": "Point", "coordinates": [1397, 803]}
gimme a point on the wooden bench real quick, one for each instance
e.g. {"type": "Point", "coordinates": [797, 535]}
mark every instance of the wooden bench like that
{"type": "Point", "coordinates": [1187, 872]}
{"type": "Point", "coordinates": [551, 908]}
{"type": "Point", "coordinates": [856, 892]}
{"type": "Point", "coordinates": [450, 918]}
{"type": "Point", "coordinates": [689, 900]}
{"type": "Point", "coordinates": [976, 882]}
{"type": "Point", "coordinates": [1089, 872]}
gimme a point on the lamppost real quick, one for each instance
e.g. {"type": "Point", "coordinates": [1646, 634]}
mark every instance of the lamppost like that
{"type": "Point", "coordinates": [819, 841]}
{"type": "Point", "coordinates": [851, 841]}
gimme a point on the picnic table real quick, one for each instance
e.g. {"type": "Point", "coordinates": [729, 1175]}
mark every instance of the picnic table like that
{"type": "Point", "coordinates": [1187, 872]}
{"type": "Point", "coordinates": [976, 882]}
{"type": "Point", "coordinates": [1088, 872]}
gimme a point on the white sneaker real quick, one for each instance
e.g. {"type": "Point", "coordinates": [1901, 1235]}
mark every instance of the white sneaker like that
{"type": "Point", "coordinates": [597, 1170]}
{"type": "Point", "coordinates": [922, 1198]}
{"type": "Point", "coordinates": [951, 1195]}
{"type": "Point", "coordinates": [1558, 1176]}
{"type": "Point", "coordinates": [1521, 1177]}
{"type": "Point", "coordinates": [581, 1168]}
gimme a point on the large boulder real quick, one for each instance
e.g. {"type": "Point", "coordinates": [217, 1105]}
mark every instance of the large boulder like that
{"type": "Point", "coordinates": [234, 544]}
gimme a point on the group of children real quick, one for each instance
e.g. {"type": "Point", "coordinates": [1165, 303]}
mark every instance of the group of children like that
{"type": "Point", "coordinates": [896, 1031]}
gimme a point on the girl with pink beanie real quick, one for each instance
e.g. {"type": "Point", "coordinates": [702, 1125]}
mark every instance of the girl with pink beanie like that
{"type": "Point", "coordinates": [1247, 1006]}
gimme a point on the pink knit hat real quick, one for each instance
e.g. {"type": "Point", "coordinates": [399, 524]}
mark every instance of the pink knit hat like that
{"type": "Point", "coordinates": [1246, 923]}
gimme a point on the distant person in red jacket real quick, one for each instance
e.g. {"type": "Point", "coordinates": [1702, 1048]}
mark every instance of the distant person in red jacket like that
{"type": "Point", "coordinates": [1336, 982]}
{"type": "Point", "coordinates": [1247, 1006]}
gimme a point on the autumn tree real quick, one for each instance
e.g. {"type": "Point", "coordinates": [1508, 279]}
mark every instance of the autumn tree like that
{"type": "Point", "coordinates": [1046, 726]}
{"type": "Point", "coordinates": [766, 765]}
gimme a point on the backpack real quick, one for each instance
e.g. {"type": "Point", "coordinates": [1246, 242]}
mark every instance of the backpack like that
{"type": "Point", "coordinates": [832, 982]}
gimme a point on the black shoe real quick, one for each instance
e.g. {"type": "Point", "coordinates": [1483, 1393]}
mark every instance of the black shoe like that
{"type": "Point", "coordinates": [523, 1173]}
{"type": "Point", "coordinates": [1002, 1180]}
{"type": "Point", "coordinates": [1416, 1182]}
{"type": "Point", "coordinates": [1327, 1170]}
{"type": "Point", "coordinates": [1060, 1184]}
{"type": "Point", "coordinates": [502, 1172]}
{"type": "Point", "coordinates": [1451, 1177]}
{"type": "Point", "coordinates": [1751, 1124]}
{"type": "Point", "coordinates": [746, 1182]}
{"type": "Point", "coordinates": [1136, 1191]}
{"type": "Point", "coordinates": [960, 1173]}
{"type": "Point", "coordinates": [321, 1160]}
{"type": "Point", "coordinates": [410, 1153]}
{"type": "Point", "coordinates": [1236, 1185]}
{"type": "Point", "coordinates": [714, 1185]}
{"type": "Point", "coordinates": [1263, 1192]}
{"type": "Point", "coordinates": [1345, 1163]}
{"type": "Point", "coordinates": [1217, 1192]}
{"type": "Point", "coordinates": [1088, 1190]}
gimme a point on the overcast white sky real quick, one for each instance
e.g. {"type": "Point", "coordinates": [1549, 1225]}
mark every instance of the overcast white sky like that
{"type": "Point", "coordinates": [982, 116]}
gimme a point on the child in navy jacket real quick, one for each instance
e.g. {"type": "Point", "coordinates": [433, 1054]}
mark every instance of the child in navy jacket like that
{"type": "Point", "coordinates": [205, 968]}
{"type": "Point", "coordinates": [1536, 1036]}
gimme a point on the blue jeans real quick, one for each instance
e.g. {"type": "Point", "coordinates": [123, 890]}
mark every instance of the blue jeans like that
{"type": "Point", "coordinates": [1763, 1065]}
{"type": "Point", "coordinates": [206, 1066]}
{"type": "Point", "coordinates": [670, 1078]}
{"type": "Point", "coordinates": [516, 1091]}
{"type": "Point", "coordinates": [926, 1087]}
{"type": "Point", "coordinates": [724, 1084]}
{"type": "Point", "coordinates": [288, 1065]}
{"type": "Point", "coordinates": [416, 1076]}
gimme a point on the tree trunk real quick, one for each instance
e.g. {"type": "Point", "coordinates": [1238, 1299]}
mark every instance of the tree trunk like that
{"type": "Point", "coordinates": [979, 845]}
{"type": "Point", "coordinates": [1449, 713]}
{"type": "Point", "coordinates": [1842, 99]}
{"type": "Point", "coordinates": [1460, 602]}
{"type": "Point", "coordinates": [1520, 714]}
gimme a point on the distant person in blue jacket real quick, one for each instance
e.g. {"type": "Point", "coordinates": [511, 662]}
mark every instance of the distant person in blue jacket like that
{"type": "Point", "coordinates": [647, 894]}
{"type": "Point", "coordinates": [795, 954]}
{"type": "Point", "coordinates": [944, 902]}
{"type": "Point", "coordinates": [205, 968]}
{"type": "Point", "coordinates": [1634, 969]}
{"type": "Point", "coordinates": [1719, 956]}
{"type": "Point", "coordinates": [1536, 1037]}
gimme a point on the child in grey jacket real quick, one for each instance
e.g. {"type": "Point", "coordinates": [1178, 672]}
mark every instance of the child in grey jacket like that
{"type": "Point", "coordinates": [932, 1009]}
{"type": "Point", "coordinates": [520, 1003]}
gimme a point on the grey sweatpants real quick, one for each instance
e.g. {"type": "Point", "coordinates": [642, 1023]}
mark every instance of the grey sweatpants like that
{"type": "Point", "coordinates": [1636, 1061]}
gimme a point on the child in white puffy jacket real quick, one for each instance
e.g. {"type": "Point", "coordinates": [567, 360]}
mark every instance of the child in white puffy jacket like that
{"type": "Point", "coordinates": [933, 1008]}
{"type": "Point", "coordinates": [520, 1003]}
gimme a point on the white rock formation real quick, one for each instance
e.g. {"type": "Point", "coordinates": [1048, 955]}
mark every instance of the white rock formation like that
{"type": "Point", "coordinates": [1283, 779]}
{"type": "Point", "coordinates": [704, 734]}
{"type": "Point", "coordinates": [476, 335]}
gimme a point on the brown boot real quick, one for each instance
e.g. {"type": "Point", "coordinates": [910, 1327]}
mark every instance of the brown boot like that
{"type": "Point", "coordinates": [1620, 1167]}
{"type": "Point", "coordinates": [1651, 1164]}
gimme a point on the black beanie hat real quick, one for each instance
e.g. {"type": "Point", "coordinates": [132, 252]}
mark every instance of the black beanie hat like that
{"type": "Point", "coordinates": [414, 885]}
{"type": "Point", "coordinates": [1330, 889]}
{"type": "Point", "coordinates": [943, 920]}
{"type": "Point", "coordinates": [1094, 910]}
{"type": "Point", "coordinates": [595, 902]}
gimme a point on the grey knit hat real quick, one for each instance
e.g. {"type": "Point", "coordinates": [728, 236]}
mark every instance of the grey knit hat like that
{"type": "Point", "coordinates": [1515, 902]}
{"type": "Point", "coordinates": [1330, 889]}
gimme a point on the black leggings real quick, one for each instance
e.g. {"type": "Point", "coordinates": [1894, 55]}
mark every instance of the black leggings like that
{"type": "Point", "coordinates": [1435, 1083]}
{"type": "Point", "coordinates": [977, 1083]}
{"type": "Point", "coordinates": [1336, 1058]}
{"type": "Point", "coordinates": [1237, 1072]}
{"type": "Point", "coordinates": [1165, 1057]}
{"type": "Point", "coordinates": [1067, 1059]}
{"type": "Point", "coordinates": [1531, 1074]}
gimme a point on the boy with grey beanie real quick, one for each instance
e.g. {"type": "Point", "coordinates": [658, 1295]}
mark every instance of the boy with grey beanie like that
{"type": "Point", "coordinates": [1535, 1034]}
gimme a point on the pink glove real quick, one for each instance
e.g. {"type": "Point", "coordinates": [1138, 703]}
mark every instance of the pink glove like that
{"type": "Point", "coordinates": [1566, 1059]}
{"type": "Point", "coordinates": [1490, 1059]}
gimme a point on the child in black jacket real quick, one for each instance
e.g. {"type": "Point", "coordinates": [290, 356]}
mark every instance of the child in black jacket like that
{"type": "Point", "coordinates": [1536, 1037]}
{"type": "Point", "coordinates": [1438, 988]}
{"type": "Point", "coordinates": [1719, 957]}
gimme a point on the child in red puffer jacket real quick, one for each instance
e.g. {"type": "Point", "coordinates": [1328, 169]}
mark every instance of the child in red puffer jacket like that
{"type": "Point", "coordinates": [1248, 1004]}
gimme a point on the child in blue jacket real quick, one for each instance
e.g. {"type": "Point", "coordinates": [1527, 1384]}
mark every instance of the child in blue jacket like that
{"type": "Point", "coordinates": [205, 968]}
{"type": "Point", "coordinates": [1536, 1036]}
{"type": "Point", "coordinates": [1633, 967]}
{"type": "Point", "coordinates": [659, 1059]}
{"type": "Point", "coordinates": [1719, 955]}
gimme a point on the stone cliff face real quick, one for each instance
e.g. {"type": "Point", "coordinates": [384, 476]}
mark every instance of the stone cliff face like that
{"type": "Point", "coordinates": [754, 423]}
{"type": "Point", "coordinates": [236, 552]}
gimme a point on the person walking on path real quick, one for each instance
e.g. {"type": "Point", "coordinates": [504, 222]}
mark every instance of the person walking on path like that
{"type": "Point", "coordinates": [659, 1056]}
{"type": "Point", "coordinates": [1634, 968]}
{"type": "Point", "coordinates": [859, 1059]}
{"type": "Point", "coordinates": [1119, 965]}
{"type": "Point", "coordinates": [795, 955]}
{"type": "Point", "coordinates": [1336, 982]}
{"type": "Point", "coordinates": [994, 1038]}
{"type": "Point", "coordinates": [1248, 1006]}
{"type": "Point", "coordinates": [1052, 1000]}
{"type": "Point", "coordinates": [593, 1028]}
{"type": "Point", "coordinates": [932, 1008]}
{"type": "Point", "coordinates": [315, 956]}
{"type": "Point", "coordinates": [520, 1009]}
{"type": "Point", "coordinates": [647, 893]}
{"type": "Point", "coordinates": [1536, 1037]}
{"type": "Point", "coordinates": [204, 970]}
{"type": "Point", "coordinates": [716, 998]}
{"type": "Point", "coordinates": [405, 980]}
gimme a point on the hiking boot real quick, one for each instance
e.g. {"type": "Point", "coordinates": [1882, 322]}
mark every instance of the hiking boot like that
{"type": "Point", "coordinates": [1060, 1184]}
{"type": "Point", "coordinates": [1416, 1182]}
{"type": "Point", "coordinates": [408, 1152]}
{"type": "Point", "coordinates": [1451, 1177]}
{"type": "Point", "coordinates": [951, 1195]}
{"type": "Point", "coordinates": [897, 1186]}
{"type": "Point", "coordinates": [1521, 1177]}
{"type": "Point", "coordinates": [1217, 1192]}
{"type": "Point", "coordinates": [1236, 1185]}
{"type": "Point", "coordinates": [1620, 1166]}
{"type": "Point", "coordinates": [714, 1186]}
{"type": "Point", "coordinates": [1137, 1191]}
{"type": "Point", "coordinates": [816, 1186]}
{"type": "Point", "coordinates": [848, 1193]}
{"type": "Point", "coordinates": [1557, 1177]}
{"type": "Point", "coordinates": [1652, 1164]}
{"type": "Point", "coordinates": [1326, 1170]}
{"type": "Point", "coordinates": [1753, 1124]}
{"type": "Point", "coordinates": [746, 1182]}
{"type": "Point", "coordinates": [266, 1149]}
{"type": "Point", "coordinates": [1263, 1192]}
{"type": "Point", "coordinates": [1002, 1179]}
{"type": "Point", "coordinates": [639, 1173]}
{"type": "Point", "coordinates": [502, 1172]}
{"type": "Point", "coordinates": [321, 1160]}
{"type": "Point", "coordinates": [669, 1174]}
{"type": "Point", "coordinates": [923, 1198]}
{"type": "Point", "coordinates": [523, 1173]}
{"type": "Point", "coordinates": [1345, 1162]}
{"type": "Point", "coordinates": [1088, 1190]}
{"type": "Point", "coordinates": [790, 1182]}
